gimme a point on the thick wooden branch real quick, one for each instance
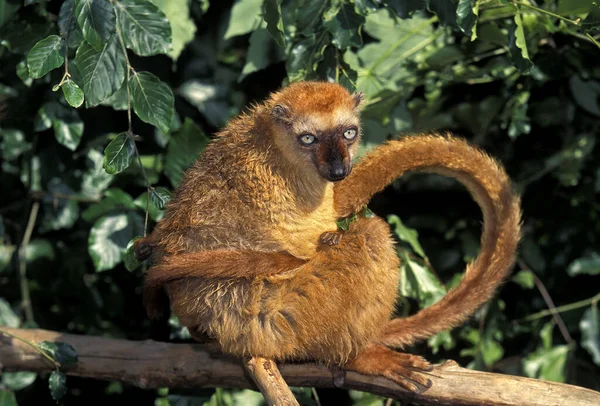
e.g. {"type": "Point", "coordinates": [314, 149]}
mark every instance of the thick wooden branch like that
{"type": "Point", "coordinates": [150, 364]}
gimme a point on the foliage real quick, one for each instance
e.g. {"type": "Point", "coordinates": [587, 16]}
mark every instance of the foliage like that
{"type": "Point", "coordinates": [104, 103]}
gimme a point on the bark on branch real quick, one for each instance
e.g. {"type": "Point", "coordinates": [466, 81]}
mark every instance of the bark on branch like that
{"type": "Point", "coordinates": [150, 364]}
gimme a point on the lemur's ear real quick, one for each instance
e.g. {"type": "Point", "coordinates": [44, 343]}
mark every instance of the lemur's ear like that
{"type": "Point", "coordinates": [281, 113]}
{"type": "Point", "coordinates": [358, 98]}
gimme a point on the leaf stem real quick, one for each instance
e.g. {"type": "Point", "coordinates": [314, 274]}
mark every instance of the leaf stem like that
{"type": "Point", "coordinates": [34, 346]}
{"type": "Point", "coordinates": [23, 282]}
{"type": "Point", "coordinates": [561, 309]}
{"type": "Point", "coordinates": [587, 34]}
{"type": "Point", "coordinates": [541, 10]}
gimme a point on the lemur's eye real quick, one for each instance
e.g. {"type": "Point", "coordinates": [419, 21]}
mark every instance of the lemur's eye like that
{"type": "Point", "coordinates": [350, 133]}
{"type": "Point", "coordinates": [307, 139]}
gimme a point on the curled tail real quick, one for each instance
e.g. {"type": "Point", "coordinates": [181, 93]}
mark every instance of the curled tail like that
{"type": "Point", "coordinates": [489, 185]}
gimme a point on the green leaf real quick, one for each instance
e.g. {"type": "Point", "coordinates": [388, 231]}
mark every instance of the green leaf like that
{"type": "Point", "coordinates": [587, 265]}
{"type": "Point", "coordinates": [145, 28]}
{"type": "Point", "coordinates": [406, 234]}
{"type": "Point", "coordinates": [592, 21]}
{"type": "Point", "coordinates": [67, 24]}
{"type": "Point", "coordinates": [95, 179]}
{"type": "Point", "coordinates": [152, 100]}
{"type": "Point", "coordinates": [46, 55]}
{"type": "Point", "coordinates": [305, 57]}
{"type": "Point", "coordinates": [68, 127]}
{"type": "Point", "coordinates": [7, 398]}
{"type": "Point", "coordinates": [119, 154]}
{"type": "Point", "coordinates": [467, 12]}
{"type": "Point", "coordinates": [118, 100]}
{"type": "Point", "coordinates": [586, 94]}
{"type": "Point", "coordinates": [404, 8]}
{"type": "Point", "coordinates": [272, 16]}
{"type": "Point", "coordinates": [14, 143]}
{"type": "Point", "coordinates": [525, 279]}
{"type": "Point", "coordinates": [183, 150]}
{"type": "Point", "coordinates": [57, 384]}
{"type": "Point", "coordinates": [58, 213]}
{"type": "Point", "coordinates": [245, 17]}
{"type": "Point", "coordinates": [183, 27]}
{"type": "Point", "coordinates": [160, 196]}
{"type": "Point", "coordinates": [590, 332]}
{"type": "Point", "coordinates": [23, 73]}
{"type": "Point", "coordinates": [39, 250]}
{"type": "Point", "coordinates": [129, 259]}
{"type": "Point", "coordinates": [153, 211]}
{"type": "Point", "coordinates": [548, 364]}
{"type": "Point", "coordinates": [518, 45]}
{"type": "Point", "coordinates": [344, 224]}
{"type": "Point", "coordinates": [445, 9]}
{"type": "Point", "coordinates": [8, 317]}
{"type": "Point", "coordinates": [344, 25]}
{"type": "Point", "coordinates": [262, 52]}
{"type": "Point", "coordinates": [17, 380]}
{"type": "Point", "coordinates": [418, 282]}
{"type": "Point", "coordinates": [73, 94]}
{"type": "Point", "coordinates": [6, 254]}
{"type": "Point", "coordinates": [97, 20]}
{"type": "Point", "coordinates": [109, 238]}
{"type": "Point", "coordinates": [61, 352]}
{"type": "Point", "coordinates": [114, 200]}
{"type": "Point", "coordinates": [102, 72]}
{"type": "Point", "coordinates": [579, 8]}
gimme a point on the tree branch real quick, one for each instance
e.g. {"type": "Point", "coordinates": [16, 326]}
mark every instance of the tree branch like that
{"type": "Point", "coordinates": [150, 364]}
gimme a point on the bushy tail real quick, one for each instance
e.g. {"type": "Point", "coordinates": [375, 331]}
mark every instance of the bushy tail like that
{"type": "Point", "coordinates": [489, 185]}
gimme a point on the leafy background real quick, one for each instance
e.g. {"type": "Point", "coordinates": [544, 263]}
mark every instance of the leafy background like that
{"type": "Point", "coordinates": [104, 103]}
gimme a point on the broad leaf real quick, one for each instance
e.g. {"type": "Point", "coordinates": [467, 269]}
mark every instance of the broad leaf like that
{"type": "Point", "coordinates": [7, 398]}
{"type": "Point", "coordinates": [548, 364]}
{"type": "Point", "coordinates": [102, 72]}
{"type": "Point", "coordinates": [245, 17]}
{"type": "Point", "coordinates": [406, 234]}
{"type": "Point", "coordinates": [142, 203]}
{"type": "Point", "coordinates": [109, 238]}
{"type": "Point", "coordinates": [63, 353]}
{"type": "Point", "coordinates": [466, 17]}
{"type": "Point", "coordinates": [57, 384]}
{"type": "Point", "coordinates": [445, 10]}
{"type": "Point", "coordinates": [145, 29]}
{"type": "Point", "coordinates": [518, 45]}
{"type": "Point", "coordinates": [183, 27]}
{"type": "Point", "coordinates": [8, 317]}
{"type": "Point", "coordinates": [590, 332]}
{"type": "Point", "coordinates": [95, 180]}
{"type": "Point", "coordinates": [183, 150]}
{"type": "Point", "coordinates": [58, 213]}
{"type": "Point", "coordinates": [152, 100]}
{"type": "Point", "coordinates": [73, 94]}
{"type": "Point", "coordinates": [272, 16]}
{"type": "Point", "coordinates": [525, 279]}
{"type": "Point", "coordinates": [262, 52]}
{"type": "Point", "coordinates": [67, 24]}
{"type": "Point", "coordinates": [96, 18]}
{"type": "Point", "coordinates": [344, 25]}
{"type": "Point", "coordinates": [68, 127]}
{"type": "Point", "coordinates": [418, 282]}
{"type": "Point", "coordinates": [119, 154]}
{"type": "Point", "coordinates": [160, 196]}
{"type": "Point", "coordinates": [587, 265]}
{"type": "Point", "coordinates": [46, 55]}
{"type": "Point", "coordinates": [115, 200]}
{"type": "Point", "coordinates": [305, 57]}
{"type": "Point", "coordinates": [13, 144]}
{"type": "Point", "coordinates": [17, 380]}
{"type": "Point", "coordinates": [129, 259]}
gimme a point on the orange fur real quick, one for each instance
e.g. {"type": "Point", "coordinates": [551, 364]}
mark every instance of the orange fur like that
{"type": "Point", "coordinates": [239, 248]}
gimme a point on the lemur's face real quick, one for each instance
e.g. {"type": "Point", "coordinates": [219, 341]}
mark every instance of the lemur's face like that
{"type": "Point", "coordinates": [321, 127]}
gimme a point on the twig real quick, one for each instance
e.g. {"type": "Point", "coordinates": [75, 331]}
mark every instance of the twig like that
{"type": "Point", "coordinates": [32, 345]}
{"type": "Point", "coordinates": [560, 309]}
{"type": "Point", "coordinates": [266, 376]}
{"type": "Point", "coordinates": [23, 282]}
{"type": "Point", "coordinates": [150, 364]}
{"type": "Point", "coordinates": [550, 304]}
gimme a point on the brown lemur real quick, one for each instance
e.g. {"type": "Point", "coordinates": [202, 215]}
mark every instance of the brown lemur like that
{"type": "Point", "coordinates": [249, 253]}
